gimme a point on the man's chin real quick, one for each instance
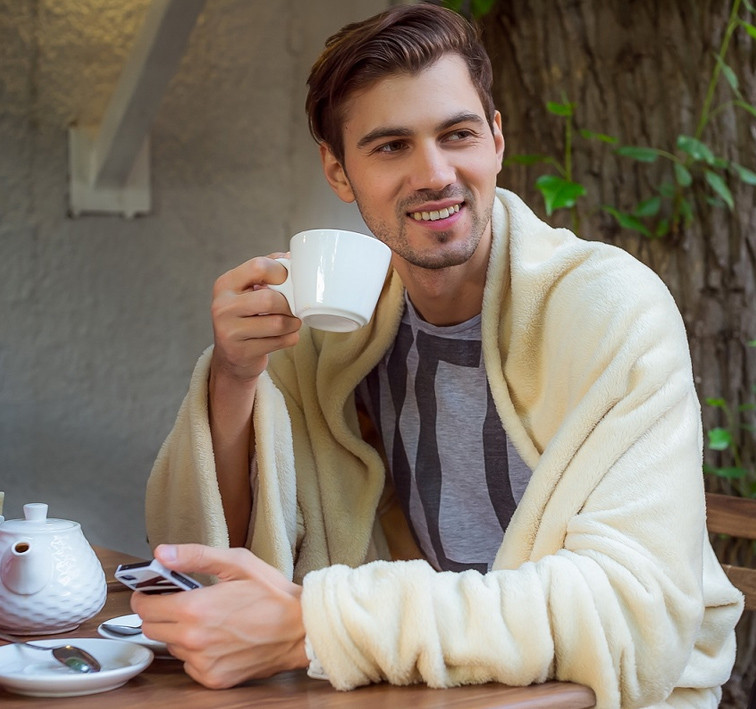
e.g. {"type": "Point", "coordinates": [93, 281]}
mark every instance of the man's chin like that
{"type": "Point", "coordinates": [434, 261]}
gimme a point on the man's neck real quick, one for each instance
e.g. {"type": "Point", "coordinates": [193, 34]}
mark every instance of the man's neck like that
{"type": "Point", "coordinates": [447, 308]}
{"type": "Point", "coordinates": [447, 296]}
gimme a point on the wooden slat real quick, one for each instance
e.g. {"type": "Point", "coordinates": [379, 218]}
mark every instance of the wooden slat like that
{"type": "Point", "coordinates": [727, 514]}
{"type": "Point", "coordinates": [735, 516]}
{"type": "Point", "coordinates": [745, 580]}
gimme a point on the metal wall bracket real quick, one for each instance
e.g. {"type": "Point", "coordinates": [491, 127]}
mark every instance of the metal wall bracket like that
{"type": "Point", "coordinates": [109, 165]}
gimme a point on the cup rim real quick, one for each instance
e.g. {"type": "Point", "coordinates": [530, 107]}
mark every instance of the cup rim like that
{"type": "Point", "coordinates": [335, 231]}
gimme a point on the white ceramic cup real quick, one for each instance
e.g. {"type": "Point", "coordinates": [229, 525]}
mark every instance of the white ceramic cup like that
{"type": "Point", "coordinates": [335, 277]}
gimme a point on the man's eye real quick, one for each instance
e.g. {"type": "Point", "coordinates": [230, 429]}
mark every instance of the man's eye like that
{"type": "Point", "coordinates": [460, 134]}
{"type": "Point", "coordinates": [392, 147]}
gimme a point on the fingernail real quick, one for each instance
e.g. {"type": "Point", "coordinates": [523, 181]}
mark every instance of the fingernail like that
{"type": "Point", "coordinates": [168, 552]}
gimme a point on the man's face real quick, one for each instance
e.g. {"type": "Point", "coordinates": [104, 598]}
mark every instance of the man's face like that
{"type": "Point", "coordinates": [421, 162]}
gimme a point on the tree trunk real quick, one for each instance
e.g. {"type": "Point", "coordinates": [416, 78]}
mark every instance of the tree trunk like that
{"type": "Point", "coordinates": [639, 70]}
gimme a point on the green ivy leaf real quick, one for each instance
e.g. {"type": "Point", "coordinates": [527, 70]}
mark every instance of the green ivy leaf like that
{"type": "Point", "coordinates": [666, 189]}
{"type": "Point", "coordinates": [720, 439]}
{"type": "Point", "coordinates": [662, 228]}
{"type": "Point", "coordinates": [638, 153]}
{"type": "Point", "coordinates": [747, 106]}
{"type": "Point", "coordinates": [648, 207]}
{"type": "Point", "coordinates": [590, 135]}
{"type": "Point", "coordinates": [455, 5]}
{"type": "Point", "coordinates": [751, 343]}
{"type": "Point", "coordinates": [729, 74]}
{"type": "Point", "coordinates": [682, 175]}
{"type": "Point", "coordinates": [746, 175]}
{"type": "Point", "coordinates": [560, 109]}
{"type": "Point", "coordinates": [558, 192]}
{"type": "Point", "coordinates": [695, 148]}
{"type": "Point", "coordinates": [747, 25]}
{"type": "Point", "coordinates": [730, 473]}
{"type": "Point", "coordinates": [628, 221]}
{"type": "Point", "coordinates": [717, 183]}
{"type": "Point", "coordinates": [481, 7]}
{"type": "Point", "coordinates": [686, 209]}
{"type": "Point", "coordinates": [717, 402]}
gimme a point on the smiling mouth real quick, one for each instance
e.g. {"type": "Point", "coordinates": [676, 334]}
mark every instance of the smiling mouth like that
{"type": "Point", "coordinates": [435, 215]}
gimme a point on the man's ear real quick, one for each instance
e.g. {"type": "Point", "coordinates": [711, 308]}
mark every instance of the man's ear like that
{"type": "Point", "coordinates": [335, 174]}
{"type": "Point", "coordinates": [498, 138]}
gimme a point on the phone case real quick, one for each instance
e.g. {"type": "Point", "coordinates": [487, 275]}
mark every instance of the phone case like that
{"type": "Point", "coordinates": [152, 577]}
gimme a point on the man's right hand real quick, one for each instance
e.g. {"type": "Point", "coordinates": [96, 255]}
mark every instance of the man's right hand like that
{"type": "Point", "coordinates": [250, 320]}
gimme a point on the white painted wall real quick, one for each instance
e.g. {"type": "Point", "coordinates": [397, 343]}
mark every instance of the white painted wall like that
{"type": "Point", "coordinates": [103, 318]}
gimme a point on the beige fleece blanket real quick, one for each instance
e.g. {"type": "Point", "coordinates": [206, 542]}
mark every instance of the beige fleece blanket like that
{"type": "Point", "coordinates": [605, 575]}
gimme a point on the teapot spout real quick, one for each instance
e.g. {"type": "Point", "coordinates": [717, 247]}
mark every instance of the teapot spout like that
{"type": "Point", "coordinates": [25, 569]}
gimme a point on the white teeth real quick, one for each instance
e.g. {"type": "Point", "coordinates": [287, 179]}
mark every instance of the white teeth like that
{"type": "Point", "coordinates": [436, 214]}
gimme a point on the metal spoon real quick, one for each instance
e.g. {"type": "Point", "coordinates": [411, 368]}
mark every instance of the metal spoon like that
{"type": "Point", "coordinates": [73, 657]}
{"type": "Point", "coordinates": [126, 630]}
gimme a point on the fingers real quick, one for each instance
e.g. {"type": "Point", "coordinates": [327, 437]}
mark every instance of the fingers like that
{"type": "Point", "coordinates": [236, 564]}
{"type": "Point", "coordinates": [226, 564]}
{"type": "Point", "coordinates": [237, 312]}
{"type": "Point", "coordinates": [174, 618]}
{"type": "Point", "coordinates": [250, 320]}
{"type": "Point", "coordinates": [236, 297]}
{"type": "Point", "coordinates": [261, 270]}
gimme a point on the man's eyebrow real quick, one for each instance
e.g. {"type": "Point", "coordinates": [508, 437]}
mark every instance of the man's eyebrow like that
{"type": "Point", "coordinates": [465, 117]}
{"type": "Point", "coordinates": [385, 132]}
{"type": "Point", "coordinates": [399, 132]}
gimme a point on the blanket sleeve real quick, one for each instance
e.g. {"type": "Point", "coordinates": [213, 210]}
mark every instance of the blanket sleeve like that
{"type": "Point", "coordinates": [183, 502]}
{"type": "Point", "coordinates": [613, 590]}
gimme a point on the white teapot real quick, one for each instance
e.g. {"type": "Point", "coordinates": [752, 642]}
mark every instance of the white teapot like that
{"type": "Point", "coordinates": [50, 578]}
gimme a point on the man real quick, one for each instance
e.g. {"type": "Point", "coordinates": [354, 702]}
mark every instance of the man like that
{"type": "Point", "coordinates": [518, 423]}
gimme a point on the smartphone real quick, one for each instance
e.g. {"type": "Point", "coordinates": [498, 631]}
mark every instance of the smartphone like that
{"type": "Point", "coordinates": [152, 577]}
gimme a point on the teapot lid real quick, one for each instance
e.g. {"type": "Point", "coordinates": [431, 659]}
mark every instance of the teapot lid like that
{"type": "Point", "coordinates": [36, 520]}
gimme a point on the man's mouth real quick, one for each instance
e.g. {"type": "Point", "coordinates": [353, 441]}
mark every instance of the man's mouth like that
{"type": "Point", "coordinates": [435, 215]}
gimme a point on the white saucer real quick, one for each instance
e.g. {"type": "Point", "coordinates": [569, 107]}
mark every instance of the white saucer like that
{"type": "Point", "coordinates": [24, 670]}
{"type": "Point", "coordinates": [160, 650]}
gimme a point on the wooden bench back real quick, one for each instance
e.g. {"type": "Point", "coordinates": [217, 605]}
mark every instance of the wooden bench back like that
{"type": "Point", "coordinates": [735, 516]}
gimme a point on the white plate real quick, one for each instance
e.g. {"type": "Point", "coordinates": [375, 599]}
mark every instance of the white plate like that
{"type": "Point", "coordinates": [159, 649]}
{"type": "Point", "coordinates": [24, 670]}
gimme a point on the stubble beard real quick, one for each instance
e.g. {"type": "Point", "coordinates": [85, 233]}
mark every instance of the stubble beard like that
{"type": "Point", "coordinates": [395, 237]}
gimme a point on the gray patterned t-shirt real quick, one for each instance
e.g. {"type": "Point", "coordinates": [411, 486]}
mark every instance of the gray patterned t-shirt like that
{"type": "Point", "coordinates": [457, 476]}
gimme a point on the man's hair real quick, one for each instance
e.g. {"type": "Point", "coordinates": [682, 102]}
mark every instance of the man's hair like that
{"type": "Point", "coordinates": [402, 40]}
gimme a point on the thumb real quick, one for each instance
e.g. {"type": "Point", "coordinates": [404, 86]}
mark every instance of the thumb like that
{"type": "Point", "coordinates": [226, 564]}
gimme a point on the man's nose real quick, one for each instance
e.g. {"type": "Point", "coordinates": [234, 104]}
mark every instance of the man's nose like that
{"type": "Point", "coordinates": [431, 169]}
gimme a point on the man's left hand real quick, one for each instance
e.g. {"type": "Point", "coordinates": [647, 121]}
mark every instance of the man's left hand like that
{"type": "Point", "coordinates": [249, 625]}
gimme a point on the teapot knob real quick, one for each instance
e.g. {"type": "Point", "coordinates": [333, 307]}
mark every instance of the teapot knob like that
{"type": "Point", "coordinates": [35, 512]}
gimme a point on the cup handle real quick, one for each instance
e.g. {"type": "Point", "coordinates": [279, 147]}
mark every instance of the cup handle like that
{"type": "Point", "coordinates": [287, 287]}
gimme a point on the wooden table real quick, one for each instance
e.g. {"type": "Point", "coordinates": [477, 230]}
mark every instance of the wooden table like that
{"type": "Point", "coordinates": [164, 683]}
